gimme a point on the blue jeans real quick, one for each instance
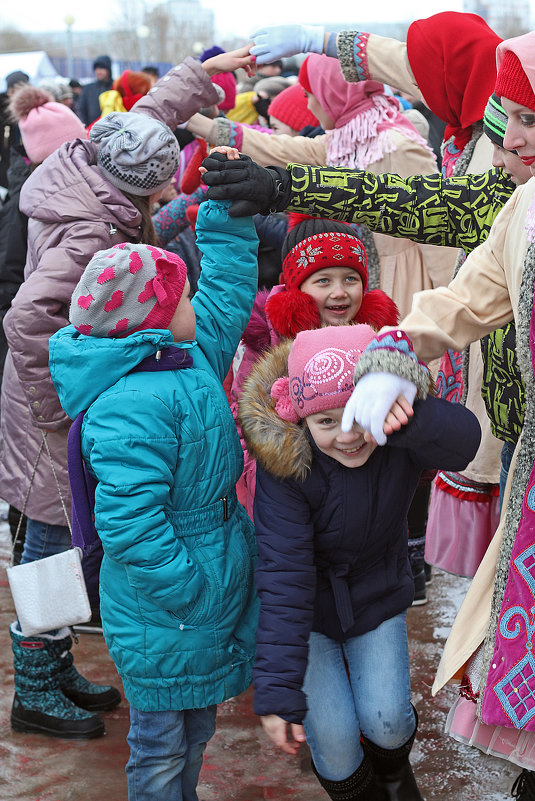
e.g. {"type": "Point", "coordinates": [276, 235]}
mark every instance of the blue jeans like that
{"type": "Point", "coordinates": [166, 750]}
{"type": "Point", "coordinates": [44, 539]}
{"type": "Point", "coordinates": [506, 455]}
{"type": "Point", "coordinates": [358, 687]}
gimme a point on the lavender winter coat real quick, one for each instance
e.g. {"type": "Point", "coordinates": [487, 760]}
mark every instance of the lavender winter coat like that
{"type": "Point", "coordinates": [74, 211]}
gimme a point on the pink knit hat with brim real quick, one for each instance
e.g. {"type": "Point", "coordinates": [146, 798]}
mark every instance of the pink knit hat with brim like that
{"type": "Point", "coordinates": [321, 365]}
{"type": "Point", "coordinates": [127, 288]}
{"type": "Point", "coordinates": [44, 124]}
{"type": "Point", "coordinates": [291, 107]}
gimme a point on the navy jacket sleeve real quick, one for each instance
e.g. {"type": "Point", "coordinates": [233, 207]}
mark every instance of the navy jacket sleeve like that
{"type": "Point", "coordinates": [286, 584]}
{"type": "Point", "coordinates": [441, 435]}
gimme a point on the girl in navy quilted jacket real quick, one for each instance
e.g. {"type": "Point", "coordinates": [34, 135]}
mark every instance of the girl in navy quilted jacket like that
{"type": "Point", "coordinates": [333, 574]}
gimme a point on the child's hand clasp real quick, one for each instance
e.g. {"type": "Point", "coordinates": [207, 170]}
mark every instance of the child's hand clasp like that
{"type": "Point", "coordinates": [232, 153]}
{"type": "Point", "coordinates": [277, 730]}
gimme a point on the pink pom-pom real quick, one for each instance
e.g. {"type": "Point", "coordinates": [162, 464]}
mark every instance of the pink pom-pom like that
{"type": "Point", "coordinates": [281, 388]}
{"type": "Point", "coordinates": [280, 392]}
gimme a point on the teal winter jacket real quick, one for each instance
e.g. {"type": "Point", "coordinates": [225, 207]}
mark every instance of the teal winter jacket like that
{"type": "Point", "coordinates": [178, 604]}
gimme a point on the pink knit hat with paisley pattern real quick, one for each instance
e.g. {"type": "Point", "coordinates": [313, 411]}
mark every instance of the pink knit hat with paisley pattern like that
{"type": "Point", "coordinates": [127, 288]}
{"type": "Point", "coordinates": [320, 370]}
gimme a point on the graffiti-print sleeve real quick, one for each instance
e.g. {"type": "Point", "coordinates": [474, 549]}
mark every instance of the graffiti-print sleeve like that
{"type": "Point", "coordinates": [428, 209]}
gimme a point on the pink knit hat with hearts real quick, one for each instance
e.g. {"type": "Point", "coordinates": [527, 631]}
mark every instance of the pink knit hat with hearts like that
{"type": "Point", "coordinates": [320, 370]}
{"type": "Point", "coordinates": [127, 288]}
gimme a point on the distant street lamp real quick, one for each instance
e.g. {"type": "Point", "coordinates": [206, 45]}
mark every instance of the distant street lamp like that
{"type": "Point", "coordinates": [143, 32]}
{"type": "Point", "coordinates": [69, 21]}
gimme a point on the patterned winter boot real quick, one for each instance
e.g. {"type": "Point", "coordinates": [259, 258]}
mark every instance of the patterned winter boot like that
{"type": "Point", "coordinates": [93, 697]}
{"type": "Point", "coordinates": [39, 704]}
{"type": "Point", "coordinates": [360, 786]}
{"type": "Point", "coordinates": [393, 770]}
{"type": "Point", "coordinates": [524, 787]}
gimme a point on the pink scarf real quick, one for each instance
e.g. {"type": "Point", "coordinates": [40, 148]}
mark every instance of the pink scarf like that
{"type": "Point", "coordinates": [363, 114]}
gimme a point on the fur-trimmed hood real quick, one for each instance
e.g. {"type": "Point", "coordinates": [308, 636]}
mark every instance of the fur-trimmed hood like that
{"type": "Point", "coordinates": [280, 447]}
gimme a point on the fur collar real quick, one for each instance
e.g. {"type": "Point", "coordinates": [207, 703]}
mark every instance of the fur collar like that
{"type": "Point", "coordinates": [280, 447]}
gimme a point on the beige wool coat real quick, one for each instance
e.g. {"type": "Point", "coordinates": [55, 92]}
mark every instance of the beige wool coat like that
{"type": "Point", "coordinates": [486, 293]}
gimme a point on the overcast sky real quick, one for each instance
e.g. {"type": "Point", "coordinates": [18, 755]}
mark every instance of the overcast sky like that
{"type": "Point", "coordinates": [241, 17]}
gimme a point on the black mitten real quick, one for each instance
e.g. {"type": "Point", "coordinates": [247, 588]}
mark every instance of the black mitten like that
{"type": "Point", "coordinates": [251, 188]}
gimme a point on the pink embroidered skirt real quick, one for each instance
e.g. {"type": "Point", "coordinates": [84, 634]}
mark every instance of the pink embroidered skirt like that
{"type": "Point", "coordinates": [463, 725]}
{"type": "Point", "coordinates": [463, 517]}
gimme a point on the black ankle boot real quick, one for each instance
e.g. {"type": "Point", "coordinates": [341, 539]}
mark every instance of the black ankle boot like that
{"type": "Point", "coordinates": [393, 770]}
{"type": "Point", "coordinates": [524, 787]}
{"type": "Point", "coordinates": [360, 786]}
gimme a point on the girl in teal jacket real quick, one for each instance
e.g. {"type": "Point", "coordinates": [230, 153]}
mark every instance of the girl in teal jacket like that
{"type": "Point", "coordinates": [177, 600]}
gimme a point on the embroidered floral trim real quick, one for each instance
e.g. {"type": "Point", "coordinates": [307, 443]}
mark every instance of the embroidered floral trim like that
{"type": "Point", "coordinates": [227, 133]}
{"type": "Point", "coordinates": [351, 47]}
{"type": "Point", "coordinates": [352, 54]}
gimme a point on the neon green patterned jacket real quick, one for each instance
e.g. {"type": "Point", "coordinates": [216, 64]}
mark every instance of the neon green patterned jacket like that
{"type": "Point", "coordinates": [431, 210]}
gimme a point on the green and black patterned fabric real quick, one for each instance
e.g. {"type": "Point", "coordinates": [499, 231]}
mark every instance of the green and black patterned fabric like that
{"type": "Point", "coordinates": [431, 210]}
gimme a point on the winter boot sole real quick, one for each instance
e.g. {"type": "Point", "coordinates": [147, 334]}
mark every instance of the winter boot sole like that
{"type": "Point", "coordinates": [27, 721]}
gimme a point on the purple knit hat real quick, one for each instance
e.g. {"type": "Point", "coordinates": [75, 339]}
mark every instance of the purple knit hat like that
{"type": "Point", "coordinates": [127, 288]}
{"type": "Point", "coordinates": [320, 370]}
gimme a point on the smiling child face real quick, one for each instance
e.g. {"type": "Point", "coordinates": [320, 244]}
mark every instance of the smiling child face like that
{"type": "Point", "coordinates": [338, 293]}
{"type": "Point", "coordinates": [350, 449]}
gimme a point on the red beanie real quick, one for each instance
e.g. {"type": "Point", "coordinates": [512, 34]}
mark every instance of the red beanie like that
{"type": "Point", "coordinates": [290, 107]}
{"type": "Point", "coordinates": [303, 76]}
{"type": "Point", "coordinates": [513, 83]}
{"type": "Point", "coordinates": [330, 249]}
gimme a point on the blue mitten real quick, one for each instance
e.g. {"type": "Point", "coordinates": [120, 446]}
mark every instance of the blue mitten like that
{"type": "Point", "coordinates": [283, 41]}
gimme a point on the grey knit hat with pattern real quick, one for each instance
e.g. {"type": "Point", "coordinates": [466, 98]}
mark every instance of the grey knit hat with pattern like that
{"type": "Point", "coordinates": [136, 153]}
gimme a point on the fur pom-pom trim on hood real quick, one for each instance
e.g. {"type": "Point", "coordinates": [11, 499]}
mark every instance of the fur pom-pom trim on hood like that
{"type": "Point", "coordinates": [292, 311]}
{"type": "Point", "coordinates": [26, 99]}
{"type": "Point", "coordinates": [279, 446]}
{"type": "Point", "coordinates": [377, 310]}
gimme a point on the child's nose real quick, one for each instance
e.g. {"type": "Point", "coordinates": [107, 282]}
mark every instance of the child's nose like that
{"type": "Point", "coordinates": [338, 290]}
{"type": "Point", "coordinates": [345, 437]}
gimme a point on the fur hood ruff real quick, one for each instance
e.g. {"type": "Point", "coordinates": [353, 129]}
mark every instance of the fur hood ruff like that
{"type": "Point", "coordinates": [281, 447]}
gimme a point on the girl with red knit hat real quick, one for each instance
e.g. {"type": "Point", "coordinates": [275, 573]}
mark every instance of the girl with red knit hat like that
{"type": "Point", "coordinates": [324, 281]}
{"type": "Point", "coordinates": [490, 646]}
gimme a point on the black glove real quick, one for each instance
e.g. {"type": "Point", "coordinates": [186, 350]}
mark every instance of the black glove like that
{"type": "Point", "coordinates": [251, 188]}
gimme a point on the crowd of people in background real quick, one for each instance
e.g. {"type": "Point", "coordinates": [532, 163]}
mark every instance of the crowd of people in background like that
{"type": "Point", "coordinates": [293, 311]}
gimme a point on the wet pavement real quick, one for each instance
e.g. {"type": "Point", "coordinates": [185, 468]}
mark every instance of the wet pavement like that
{"type": "Point", "coordinates": [240, 763]}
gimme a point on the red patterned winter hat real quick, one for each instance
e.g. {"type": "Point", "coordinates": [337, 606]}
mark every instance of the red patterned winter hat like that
{"type": "Point", "coordinates": [127, 288]}
{"type": "Point", "coordinates": [330, 249]}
